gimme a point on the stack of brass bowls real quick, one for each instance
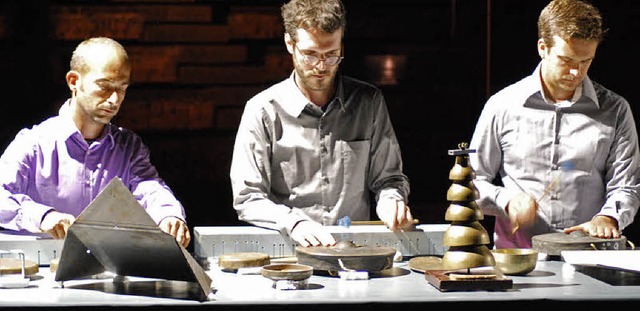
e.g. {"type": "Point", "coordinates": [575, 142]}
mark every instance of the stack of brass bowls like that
{"type": "Point", "coordinates": [466, 238]}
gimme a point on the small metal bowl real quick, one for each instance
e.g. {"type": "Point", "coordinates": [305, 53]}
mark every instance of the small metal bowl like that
{"type": "Point", "coordinates": [287, 271]}
{"type": "Point", "coordinates": [515, 261]}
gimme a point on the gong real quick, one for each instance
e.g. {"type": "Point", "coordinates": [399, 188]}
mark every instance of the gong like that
{"type": "Point", "coordinates": [554, 243]}
{"type": "Point", "coordinates": [346, 255]}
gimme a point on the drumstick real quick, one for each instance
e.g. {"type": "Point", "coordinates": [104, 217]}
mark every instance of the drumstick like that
{"type": "Point", "coordinates": [544, 193]}
{"type": "Point", "coordinates": [376, 222]}
{"type": "Point", "coordinates": [547, 189]}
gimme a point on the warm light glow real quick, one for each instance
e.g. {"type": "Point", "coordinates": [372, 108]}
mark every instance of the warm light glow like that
{"type": "Point", "coordinates": [386, 69]}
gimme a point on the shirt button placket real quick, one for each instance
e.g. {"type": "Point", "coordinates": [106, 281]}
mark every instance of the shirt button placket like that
{"type": "Point", "coordinates": [87, 172]}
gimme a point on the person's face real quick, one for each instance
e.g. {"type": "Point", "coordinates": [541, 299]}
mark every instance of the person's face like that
{"type": "Point", "coordinates": [100, 92]}
{"type": "Point", "coordinates": [565, 65]}
{"type": "Point", "coordinates": [315, 77]}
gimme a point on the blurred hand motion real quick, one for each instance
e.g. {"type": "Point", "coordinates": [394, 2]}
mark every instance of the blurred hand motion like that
{"type": "Point", "coordinates": [395, 214]}
{"type": "Point", "coordinates": [522, 211]}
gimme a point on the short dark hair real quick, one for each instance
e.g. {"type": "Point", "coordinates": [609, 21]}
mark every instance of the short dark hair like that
{"type": "Point", "coordinates": [325, 15]}
{"type": "Point", "coordinates": [570, 19]}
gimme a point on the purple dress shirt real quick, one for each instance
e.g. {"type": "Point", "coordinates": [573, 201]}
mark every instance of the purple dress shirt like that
{"type": "Point", "coordinates": [51, 166]}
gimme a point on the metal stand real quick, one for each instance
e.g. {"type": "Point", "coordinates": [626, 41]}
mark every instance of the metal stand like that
{"type": "Point", "coordinates": [14, 280]}
{"type": "Point", "coordinates": [115, 234]}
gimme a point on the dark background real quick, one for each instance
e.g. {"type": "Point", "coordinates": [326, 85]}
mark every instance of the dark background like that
{"type": "Point", "coordinates": [451, 55]}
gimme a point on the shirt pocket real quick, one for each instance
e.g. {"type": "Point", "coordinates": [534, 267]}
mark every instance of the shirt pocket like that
{"type": "Point", "coordinates": [355, 158]}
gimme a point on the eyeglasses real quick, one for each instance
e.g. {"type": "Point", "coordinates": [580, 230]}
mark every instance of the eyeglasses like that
{"type": "Point", "coordinates": [312, 60]}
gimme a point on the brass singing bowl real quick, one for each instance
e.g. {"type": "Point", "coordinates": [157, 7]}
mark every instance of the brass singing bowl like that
{"type": "Point", "coordinates": [462, 193]}
{"type": "Point", "coordinates": [458, 257]}
{"type": "Point", "coordinates": [460, 172]}
{"type": "Point", "coordinates": [462, 233]}
{"type": "Point", "coordinates": [284, 271]}
{"type": "Point", "coordinates": [515, 261]}
{"type": "Point", "coordinates": [467, 211]}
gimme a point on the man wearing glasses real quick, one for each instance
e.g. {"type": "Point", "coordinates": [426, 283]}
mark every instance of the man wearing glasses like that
{"type": "Point", "coordinates": [318, 146]}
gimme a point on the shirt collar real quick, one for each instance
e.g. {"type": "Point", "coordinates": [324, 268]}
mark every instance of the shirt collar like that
{"type": "Point", "coordinates": [294, 101]}
{"type": "Point", "coordinates": [340, 93]}
{"type": "Point", "coordinates": [585, 94]}
{"type": "Point", "coordinates": [70, 129]}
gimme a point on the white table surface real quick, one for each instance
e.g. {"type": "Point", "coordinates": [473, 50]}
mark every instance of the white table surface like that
{"type": "Point", "coordinates": [550, 281]}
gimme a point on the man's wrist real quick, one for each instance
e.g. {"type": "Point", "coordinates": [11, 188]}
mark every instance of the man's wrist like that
{"type": "Point", "coordinates": [43, 217]}
{"type": "Point", "coordinates": [45, 214]}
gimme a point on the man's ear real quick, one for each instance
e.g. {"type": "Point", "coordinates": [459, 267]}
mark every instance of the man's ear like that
{"type": "Point", "coordinates": [73, 79]}
{"type": "Point", "coordinates": [542, 48]}
{"type": "Point", "coordinates": [288, 41]}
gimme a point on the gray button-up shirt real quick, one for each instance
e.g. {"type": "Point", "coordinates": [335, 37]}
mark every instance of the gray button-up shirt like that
{"type": "Point", "coordinates": [578, 160]}
{"type": "Point", "coordinates": [293, 161]}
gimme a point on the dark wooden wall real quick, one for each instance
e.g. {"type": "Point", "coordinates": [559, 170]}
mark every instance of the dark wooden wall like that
{"type": "Point", "coordinates": [196, 62]}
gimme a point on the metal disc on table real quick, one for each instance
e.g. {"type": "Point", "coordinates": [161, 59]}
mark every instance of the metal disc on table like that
{"type": "Point", "coordinates": [14, 266]}
{"type": "Point", "coordinates": [235, 261]}
{"type": "Point", "coordinates": [554, 243]}
{"type": "Point", "coordinates": [346, 255]}
{"type": "Point", "coordinates": [425, 263]}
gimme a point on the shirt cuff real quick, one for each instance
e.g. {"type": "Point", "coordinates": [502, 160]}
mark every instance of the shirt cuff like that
{"type": "Point", "coordinates": [292, 219]}
{"type": "Point", "coordinates": [32, 215]}
{"type": "Point", "coordinates": [611, 212]}
{"type": "Point", "coordinates": [390, 193]}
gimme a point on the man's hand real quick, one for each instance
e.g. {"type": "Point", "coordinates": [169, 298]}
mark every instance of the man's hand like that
{"type": "Point", "coordinates": [522, 211]}
{"type": "Point", "coordinates": [177, 228]}
{"type": "Point", "coordinates": [56, 224]}
{"type": "Point", "coordinates": [600, 226]}
{"type": "Point", "coordinates": [310, 233]}
{"type": "Point", "coordinates": [395, 214]}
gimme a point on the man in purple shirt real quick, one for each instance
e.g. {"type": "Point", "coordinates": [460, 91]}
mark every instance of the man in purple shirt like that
{"type": "Point", "coordinates": [52, 171]}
